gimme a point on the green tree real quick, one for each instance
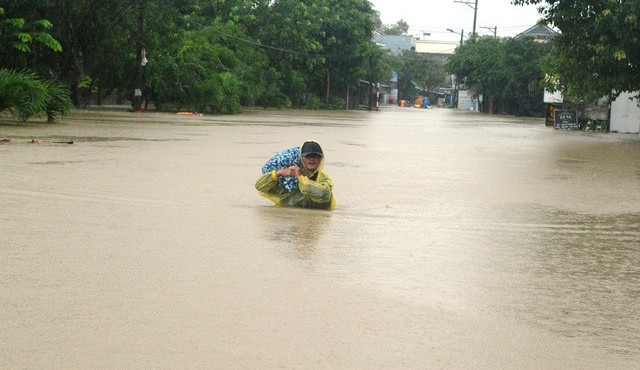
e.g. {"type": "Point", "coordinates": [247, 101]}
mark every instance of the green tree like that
{"type": "Point", "coordinates": [322, 48]}
{"type": "Point", "coordinates": [347, 43]}
{"type": "Point", "coordinates": [94, 55]}
{"type": "Point", "coordinates": [291, 37]}
{"type": "Point", "coordinates": [207, 54]}
{"type": "Point", "coordinates": [199, 74]}
{"type": "Point", "coordinates": [400, 28]}
{"type": "Point", "coordinates": [377, 22]}
{"type": "Point", "coordinates": [419, 74]}
{"type": "Point", "coordinates": [507, 73]}
{"type": "Point", "coordinates": [21, 92]}
{"type": "Point", "coordinates": [95, 36]}
{"type": "Point", "coordinates": [25, 96]}
{"type": "Point", "coordinates": [597, 52]}
{"type": "Point", "coordinates": [24, 37]}
{"type": "Point", "coordinates": [21, 34]}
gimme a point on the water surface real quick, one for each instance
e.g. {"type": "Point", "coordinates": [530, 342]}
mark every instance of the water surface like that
{"type": "Point", "coordinates": [460, 240]}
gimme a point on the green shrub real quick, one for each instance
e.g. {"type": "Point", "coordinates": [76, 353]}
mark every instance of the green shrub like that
{"type": "Point", "coordinates": [337, 103]}
{"type": "Point", "coordinates": [596, 125]}
{"type": "Point", "coordinates": [272, 97]}
{"type": "Point", "coordinates": [25, 95]}
{"type": "Point", "coordinates": [22, 94]}
{"type": "Point", "coordinates": [313, 102]}
{"type": "Point", "coordinates": [59, 103]}
{"type": "Point", "coordinates": [220, 93]}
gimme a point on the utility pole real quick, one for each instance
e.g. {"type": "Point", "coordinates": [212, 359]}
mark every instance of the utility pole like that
{"type": "Point", "coordinates": [494, 29]}
{"type": "Point", "coordinates": [475, 11]}
{"type": "Point", "coordinates": [139, 84]}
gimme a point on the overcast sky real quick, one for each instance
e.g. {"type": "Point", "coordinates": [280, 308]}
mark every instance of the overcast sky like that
{"type": "Point", "coordinates": [436, 16]}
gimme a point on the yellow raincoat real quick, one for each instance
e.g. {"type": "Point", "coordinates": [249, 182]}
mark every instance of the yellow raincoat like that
{"type": "Point", "coordinates": [313, 189]}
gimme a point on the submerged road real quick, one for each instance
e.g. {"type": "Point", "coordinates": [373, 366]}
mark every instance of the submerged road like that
{"type": "Point", "coordinates": [460, 241]}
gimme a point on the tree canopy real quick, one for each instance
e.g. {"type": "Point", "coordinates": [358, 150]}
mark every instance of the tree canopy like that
{"type": "Point", "coordinates": [399, 28]}
{"type": "Point", "coordinates": [506, 72]}
{"type": "Point", "coordinates": [202, 54]}
{"type": "Point", "coordinates": [597, 52]}
{"type": "Point", "coordinates": [20, 34]}
{"type": "Point", "coordinates": [21, 92]}
{"type": "Point", "coordinates": [418, 74]}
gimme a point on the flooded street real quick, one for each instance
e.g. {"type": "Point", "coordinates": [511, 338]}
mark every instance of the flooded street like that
{"type": "Point", "coordinates": [459, 241]}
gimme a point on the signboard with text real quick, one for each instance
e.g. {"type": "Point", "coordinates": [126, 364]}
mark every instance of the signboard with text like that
{"type": "Point", "coordinates": [566, 119]}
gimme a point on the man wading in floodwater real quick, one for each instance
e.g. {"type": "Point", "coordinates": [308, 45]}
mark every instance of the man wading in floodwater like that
{"type": "Point", "coordinates": [294, 177]}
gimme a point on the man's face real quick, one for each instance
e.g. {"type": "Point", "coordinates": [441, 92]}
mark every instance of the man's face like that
{"type": "Point", "coordinates": [311, 161]}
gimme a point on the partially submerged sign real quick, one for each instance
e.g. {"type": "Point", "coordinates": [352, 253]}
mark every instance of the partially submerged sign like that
{"type": "Point", "coordinates": [566, 119]}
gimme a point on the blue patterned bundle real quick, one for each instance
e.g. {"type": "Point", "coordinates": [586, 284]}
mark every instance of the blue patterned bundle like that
{"type": "Point", "coordinates": [285, 158]}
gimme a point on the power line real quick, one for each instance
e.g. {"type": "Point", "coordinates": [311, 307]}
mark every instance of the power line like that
{"type": "Point", "coordinates": [290, 51]}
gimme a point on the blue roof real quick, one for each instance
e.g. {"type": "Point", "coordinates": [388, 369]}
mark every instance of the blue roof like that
{"type": "Point", "coordinates": [396, 44]}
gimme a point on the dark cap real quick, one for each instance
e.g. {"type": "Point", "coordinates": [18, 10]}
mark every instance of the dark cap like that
{"type": "Point", "coordinates": [311, 147]}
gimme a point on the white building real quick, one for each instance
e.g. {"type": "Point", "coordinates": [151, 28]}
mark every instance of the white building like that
{"type": "Point", "coordinates": [429, 46]}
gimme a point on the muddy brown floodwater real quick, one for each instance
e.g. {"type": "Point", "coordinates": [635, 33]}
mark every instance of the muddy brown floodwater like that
{"type": "Point", "coordinates": [460, 241]}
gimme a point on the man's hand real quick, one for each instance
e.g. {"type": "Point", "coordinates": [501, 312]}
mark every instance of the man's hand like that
{"type": "Point", "coordinates": [289, 171]}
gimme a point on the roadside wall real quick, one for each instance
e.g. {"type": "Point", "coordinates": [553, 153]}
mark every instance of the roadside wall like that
{"type": "Point", "coordinates": [625, 113]}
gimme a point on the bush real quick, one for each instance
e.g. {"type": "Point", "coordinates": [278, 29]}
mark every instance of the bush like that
{"type": "Point", "coordinates": [59, 103]}
{"type": "Point", "coordinates": [25, 95]}
{"type": "Point", "coordinates": [596, 125]}
{"type": "Point", "coordinates": [272, 97]}
{"type": "Point", "coordinates": [337, 103]}
{"type": "Point", "coordinates": [313, 102]}
{"type": "Point", "coordinates": [22, 94]}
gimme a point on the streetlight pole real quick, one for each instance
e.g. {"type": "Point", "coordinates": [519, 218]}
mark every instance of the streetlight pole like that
{"type": "Point", "coordinates": [461, 33]}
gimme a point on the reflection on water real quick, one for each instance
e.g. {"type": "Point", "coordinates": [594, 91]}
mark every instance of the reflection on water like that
{"type": "Point", "coordinates": [297, 232]}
